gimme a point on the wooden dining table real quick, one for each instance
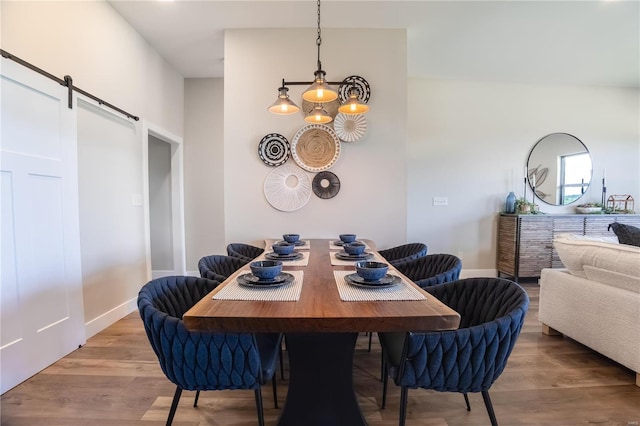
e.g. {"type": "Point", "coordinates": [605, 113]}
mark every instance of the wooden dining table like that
{"type": "Point", "coordinates": [321, 331]}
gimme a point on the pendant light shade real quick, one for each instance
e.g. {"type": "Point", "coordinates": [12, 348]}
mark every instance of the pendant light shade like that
{"type": "Point", "coordinates": [283, 105]}
{"type": "Point", "coordinates": [318, 115]}
{"type": "Point", "coordinates": [320, 91]}
{"type": "Point", "coordinates": [353, 104]}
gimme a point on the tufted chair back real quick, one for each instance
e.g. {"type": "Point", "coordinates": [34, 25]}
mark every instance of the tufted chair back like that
{"type": "Point", "coordinates": [404, 252]}
{"type": "Point", "coordinates": [195, 360]}
{"type": "Point", "coordinates": [244, 251]}
{"type": "Point", "coordinates": [468, 359]}
{"type": "Point", "coordinates": [200, 360]}
{"type": "Point", "coordinates": [431, 269]}
{"type": "Point", "coordinates": [219, 267]}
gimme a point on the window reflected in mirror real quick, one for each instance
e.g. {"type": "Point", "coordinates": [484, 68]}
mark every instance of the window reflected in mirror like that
{"type": "Point", "coordinates": [573, 169]}
{"type": "Point", "coordinates": [559, 168]}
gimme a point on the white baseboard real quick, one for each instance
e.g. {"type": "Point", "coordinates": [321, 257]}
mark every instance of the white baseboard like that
{"type": "Point", "coordinates": [98, 324]}
{"type": "Point", "coordinates": [477, 273]}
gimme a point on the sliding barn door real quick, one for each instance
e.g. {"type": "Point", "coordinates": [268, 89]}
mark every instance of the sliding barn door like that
{"type": "Point", "coordinates": [42, 316]}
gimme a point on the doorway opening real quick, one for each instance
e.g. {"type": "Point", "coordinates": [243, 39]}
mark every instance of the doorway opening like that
{"type": "Point", "coordinates": [164, 207]}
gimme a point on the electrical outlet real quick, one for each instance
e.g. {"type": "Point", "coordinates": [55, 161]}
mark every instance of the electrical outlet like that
{"type": "Point", "coordinates": [440, 201]}
{"type": "Point", "coordinates": [136, 200]}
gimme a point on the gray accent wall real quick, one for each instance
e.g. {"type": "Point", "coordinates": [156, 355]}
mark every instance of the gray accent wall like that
{"type": "Point", "coordinates": [160, 216]}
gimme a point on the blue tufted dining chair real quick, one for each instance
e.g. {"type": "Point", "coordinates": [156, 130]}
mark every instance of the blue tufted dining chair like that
{"type": "Point", "coordinates": [404, 252]}
{"type": "Point", "coordinates": [431, 269]}
{"type": "Point", "coordinates": [244, 251]}
{"type": "Point", "coordinates": [399, 254]}
{"type": "Point", "coordinates": [468, 359]}
{"type": "Point", "coordinates": [219, 267]}
{"type": "Point", "coordinates": [199, 360]}
{"type": "Point", "coordinates": [428, 270]}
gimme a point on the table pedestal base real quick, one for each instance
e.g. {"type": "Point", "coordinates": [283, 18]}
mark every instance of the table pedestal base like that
{"type": "Point", "coordinates": [321, 381]}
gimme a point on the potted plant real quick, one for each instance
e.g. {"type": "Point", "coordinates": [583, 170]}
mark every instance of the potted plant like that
{"type": "Point", "coordinates": [524, 206]}
{"type": "Point", "coordinates": [589, 208]}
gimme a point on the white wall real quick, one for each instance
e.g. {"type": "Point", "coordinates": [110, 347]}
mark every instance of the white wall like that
{"type": "Point", "coordinates": [106, 57]}
{"type": "Point", "coordinates": [372, 171]}
{"type": "Point", "coordinates": [469, 141]}
{"type": "Point", "coordinates": [204, 169]}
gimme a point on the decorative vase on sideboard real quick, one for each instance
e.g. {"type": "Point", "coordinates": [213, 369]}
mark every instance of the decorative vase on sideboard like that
{"type": "Point", "coordinates": [510, 205]}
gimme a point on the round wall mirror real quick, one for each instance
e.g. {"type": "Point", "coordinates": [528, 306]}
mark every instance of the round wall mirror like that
{"type": "Point", "coordinates": [560, 168]}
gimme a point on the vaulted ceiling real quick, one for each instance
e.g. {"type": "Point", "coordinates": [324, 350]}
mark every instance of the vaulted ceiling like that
{"type": "Point", "coordinates": [537, 42]}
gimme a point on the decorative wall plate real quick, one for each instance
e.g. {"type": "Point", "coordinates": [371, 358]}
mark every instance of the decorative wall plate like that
{"type": "Point", "coordinates": [287, 188]}
{"type": "Point", "coordinates": [315, 147]}
{"type": "Point", "coordinates": [274, 149]}
{"type": "Point", "coordinates": [325, 185]}
{"type": "Point", "coordinates": [364, 91]}
{"type": "Point", "coordinates": [350, 127]}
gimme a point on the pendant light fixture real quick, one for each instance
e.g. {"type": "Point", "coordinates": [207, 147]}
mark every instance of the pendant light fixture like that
{"type": "Point", "coordinates": [353, 104]}
{"type": "Point", "coordinates": [283, 105]}
{"type": "Point", "coordinates": [319, 92]}
{"type": "Point", "coordinates": [318, 115]}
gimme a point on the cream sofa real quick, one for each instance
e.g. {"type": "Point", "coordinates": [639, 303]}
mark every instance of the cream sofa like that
{"type": "Point", "coordinates": [596, 299]}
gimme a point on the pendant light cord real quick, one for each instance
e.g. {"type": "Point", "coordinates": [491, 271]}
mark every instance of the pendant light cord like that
{"type": "Point", "coordinates": [319, 39]}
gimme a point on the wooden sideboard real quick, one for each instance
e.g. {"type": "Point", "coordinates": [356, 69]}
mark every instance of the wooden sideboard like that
{"type": "Point", "coordinates": [525, 242]}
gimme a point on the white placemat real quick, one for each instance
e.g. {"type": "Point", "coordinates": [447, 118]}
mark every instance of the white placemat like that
{"type": "Point", "coordinates": [339, 262]}
{"type": "Point", "coordinates": [334, 246]}
{"type": "Point", "coordinates": [285, 293]}
{"type": "Point", "coordinates": [351, 293]}
{"type": "Point", "coordinates": [300, 262]}
{"type": "Point", "coordinates": [306, 246]}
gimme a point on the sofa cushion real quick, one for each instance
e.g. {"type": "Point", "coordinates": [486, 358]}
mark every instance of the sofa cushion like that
{"type": "Point", "coordinates": [575, 253]}
{"type": "Point", "coordinates": [612, 239]}
{"type": "Point", "coordinates": [612, 278]}
{"type": "Point", "coordinates": [627, 234]}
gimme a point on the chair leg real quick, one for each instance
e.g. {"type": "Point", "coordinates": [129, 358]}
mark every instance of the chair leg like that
{"type": "Point", "coordinates": [487, 403]}
{"type": "Point", "coordinates": [275, 391]}
{"type": "Point", "coordinates": [385, 381]}
{"type": "Point", "coordinates": [174, 405]}
{"type": "Point", "coordinates": [381, 364]}
{"type": "Point", "coordinates": [404, 395]}
{"type": "Point", "coordinates": [370, 335]}
{"type": "Point", "coordinates": [195, 401]}
{"type": "Point", "coordinates": [466, 400]}
{"type": "Point", "coordinates": [281, 365]}
{"type": "Point", "coordinates": [258, 393]}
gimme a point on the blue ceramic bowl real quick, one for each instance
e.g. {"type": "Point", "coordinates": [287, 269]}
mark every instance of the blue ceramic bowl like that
{"type": "Point", "coordinates": [371, 271]}
{"type": "Point", "coordinates": [283, 248]}
{"type": "Point", "coordinates": [291, 238]}
{"type": "Point", "coordinates": [354, 248]}
{"type": "Point", "coordinates": [266, 269]}
{"type": "Point", "coordinates": [347, 238]}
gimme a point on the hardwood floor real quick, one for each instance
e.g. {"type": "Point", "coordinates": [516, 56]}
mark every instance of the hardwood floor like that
{"type": "Point", "coordinates": [115, 379]}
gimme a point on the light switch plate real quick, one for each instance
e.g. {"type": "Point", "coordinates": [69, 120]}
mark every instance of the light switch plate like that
{"type": "Point", "coordinates": [440, 201]}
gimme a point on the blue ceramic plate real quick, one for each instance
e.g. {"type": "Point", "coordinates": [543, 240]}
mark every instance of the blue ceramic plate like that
{"type": "Point", "coordinates": [250, 280]}
{"type": "Point", "coordinates": [341, 243]}
{"type": "Point", "coordinates": [343, 255]}
{"type": "Point", "coordinates": [296, 255]}
{"type": "Point", "coordinates": [297, 243]}
{"type": "Point", "coordinates": [386, 281]}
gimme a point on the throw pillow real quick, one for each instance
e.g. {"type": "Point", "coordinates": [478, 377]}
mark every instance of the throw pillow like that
{"type": "Point", "coordinates": [575, 254]}
{"type": "Point", "coordinates": [627, 234]}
